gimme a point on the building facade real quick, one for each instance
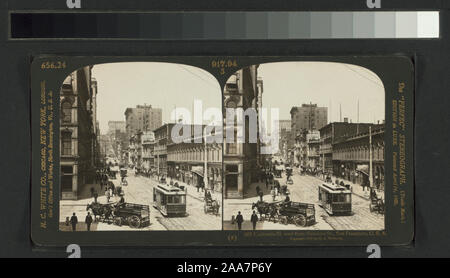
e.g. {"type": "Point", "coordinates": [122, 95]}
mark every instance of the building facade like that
{"type": "Point", "coordinates": [351, 157]}
{"type": "Point", "coordinates": [142, 118]}
{"type": "Point", "coordinates": [186, 161]}
{"type": "Point", "coordinates": [307, 117]}
{"type": "Point", "coordinates": [79, 146]}
{"type": "Point", "coordinates": [334, 132]}
{"type": "Point", "coordinates": [285, 141]}
{"type": "Point", "coordinates": [114, 126]}
{"type": "Point", "coordinates": [313, 149]}
{"type": "Point", "coordinates": [162, 140]}
{"type": "Point", "coordinates": [242, 159]}
{"type": "Point", "coordinates": [148, 149]}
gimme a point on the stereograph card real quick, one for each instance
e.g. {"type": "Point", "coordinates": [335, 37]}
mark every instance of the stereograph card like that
{"type": "Point", "coordinates": [231, 150]}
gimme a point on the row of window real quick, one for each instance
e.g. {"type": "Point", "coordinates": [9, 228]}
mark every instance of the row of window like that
{"type": "Point", "coordinates": [359, 154]}
{"type": "Point", "coordinates": [212, 155]}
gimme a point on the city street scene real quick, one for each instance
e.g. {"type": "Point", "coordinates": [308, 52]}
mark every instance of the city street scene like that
{"type": "Point", "coordinates": [323, 168]}
{"type": "Point", "coordinates": [133, 155]}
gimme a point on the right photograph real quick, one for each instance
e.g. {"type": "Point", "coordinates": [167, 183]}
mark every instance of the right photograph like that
{"type": "Point", "coordinates": [304, 147]}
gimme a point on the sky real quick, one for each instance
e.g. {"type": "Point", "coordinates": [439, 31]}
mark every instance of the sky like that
{"type": "Point", "coordinates": [331, 85]}
{"type": "Point", "coordinates": [286, 84]}
{"type": "Point", "coordinates": [162, 85]}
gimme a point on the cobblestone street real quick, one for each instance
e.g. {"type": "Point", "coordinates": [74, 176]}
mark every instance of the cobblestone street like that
{"type": "Point", "coordinates": [305, 190]}
{"type": "Point", "coordinates": [140, 191]}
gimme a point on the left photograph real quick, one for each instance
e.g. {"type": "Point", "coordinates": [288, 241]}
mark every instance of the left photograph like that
{"type": "Point", "coordinates": [138, 148]}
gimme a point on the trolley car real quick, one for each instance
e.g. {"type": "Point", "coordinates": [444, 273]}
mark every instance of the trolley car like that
{"type": "Point", "coordinates": [169, 200]}
{"type": "Point", "coordinates": [335, 199]}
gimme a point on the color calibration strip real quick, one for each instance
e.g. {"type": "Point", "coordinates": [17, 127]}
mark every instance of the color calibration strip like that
{"type": "Point", "coordinates": [226, 25]}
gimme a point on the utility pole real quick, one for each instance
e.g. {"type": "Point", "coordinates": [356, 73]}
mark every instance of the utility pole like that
{"type": "Point", "coordinates": [357, 118]}
{"type": "Point", "coordinates": [205, 174]}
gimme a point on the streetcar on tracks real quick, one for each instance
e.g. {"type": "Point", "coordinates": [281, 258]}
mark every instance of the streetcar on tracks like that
{"type": "Point", "coordinates": [169, 200]}
{"type": "Point", "coordinates": [335, 199]}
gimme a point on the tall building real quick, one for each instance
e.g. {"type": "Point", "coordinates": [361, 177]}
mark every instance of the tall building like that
{"type": "Point", "coordinates": [80, 149]}
{"type": "Point", "coordinates": [142, 118]}
{"type": "Point", "coordinates": [114, 126]}
{"type": "Point", "coordinates": [285, 142]}
{"type": "Point", "coordinates": [284, 125]}
{"type": "Point", "coordinates": [308, 117]}
{"type": "Point", "coordinates": [241, 159]}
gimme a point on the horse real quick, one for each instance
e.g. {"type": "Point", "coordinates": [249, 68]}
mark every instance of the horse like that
{"type": "Point", "coordinates": [101, 210]}
{"type": "Point", "coordinates": [265, 209]}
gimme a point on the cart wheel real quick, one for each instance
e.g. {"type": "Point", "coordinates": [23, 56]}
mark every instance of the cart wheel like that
{"type": "Point", "coordinates": [134, 221]}
{"type": "Point", "coordinates": [118, 221]}
{"type": "Point", "coordinates": [300, 220]}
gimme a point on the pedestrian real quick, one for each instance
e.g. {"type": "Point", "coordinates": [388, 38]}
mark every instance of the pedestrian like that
{"type": "Point", "coordinates": [254, 220]}
{"type": "Point", "coordinates": [272, 192]}
{"type": "Point", "coordinates": [88, 221]}
{"type": "Point", "coordinates": [92, 191]}
{"type": "Point", "coordinates": [261, 175]}
{"type": "Point", "coordinates": [261, 194]}
{"type": "Point", "coordinates": [74, 222]}
{"type": "Point", "coordinates": [287, 199]}
{"type": "Point", "coordinates": [107, 195]}
{"type": "Point", "coordinates": [239, 220]}
{"type": "Point", "coordinates": [266, 178]}
{"type": "Point", "coordinates": [258, 189]}
{"type": "Point", "coordinates": [207, 195]}
{"type": "Point", "coordinates": [95, 196]}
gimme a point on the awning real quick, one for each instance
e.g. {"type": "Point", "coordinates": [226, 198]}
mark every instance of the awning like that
{"type": "Point", "coordinates": [363, 169]}
{"type": "Point", "coordinates": [198, 170]}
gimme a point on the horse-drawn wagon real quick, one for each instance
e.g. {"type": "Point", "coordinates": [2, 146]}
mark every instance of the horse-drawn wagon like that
{"type": "Point", "coordinates": [211, 206]}
{"type": "Point", "coordinates": [376, 203]}
{"type": "Point", "coordinates": [133, 215]}
{"type": "Point", "coordinates": [300, 214]}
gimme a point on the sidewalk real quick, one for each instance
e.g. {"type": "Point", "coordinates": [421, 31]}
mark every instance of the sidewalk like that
{"type": "Point", "coordinates": [67, 207]}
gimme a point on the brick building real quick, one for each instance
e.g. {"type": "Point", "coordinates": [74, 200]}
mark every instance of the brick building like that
{"type": "Point", "coordinates": [79, 146]}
